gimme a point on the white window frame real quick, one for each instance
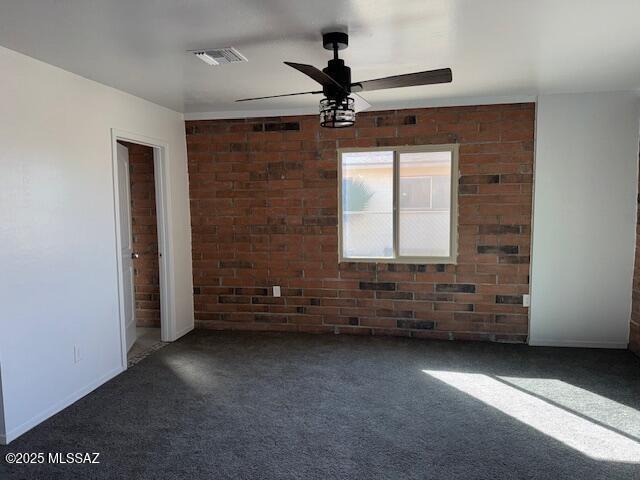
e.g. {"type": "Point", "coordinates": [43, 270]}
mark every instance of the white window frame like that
{"type": "Point", "coordinates": [397, 258]}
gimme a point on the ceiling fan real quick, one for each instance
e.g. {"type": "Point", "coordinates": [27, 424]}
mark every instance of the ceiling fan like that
{"type": "Point", "coordinates": [341, 103]}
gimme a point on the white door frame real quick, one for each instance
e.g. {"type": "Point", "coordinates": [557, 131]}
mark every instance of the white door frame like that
{"type": "Point", "coordinates": [160, 160]}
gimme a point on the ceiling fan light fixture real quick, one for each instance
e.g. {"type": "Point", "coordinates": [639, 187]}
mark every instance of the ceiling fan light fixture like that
{"type": "Point", "coordinates": [337, 113]}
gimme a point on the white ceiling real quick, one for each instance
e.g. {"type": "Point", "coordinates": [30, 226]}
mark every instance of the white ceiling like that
{"type": "Point", "coordinates": [496, 48]}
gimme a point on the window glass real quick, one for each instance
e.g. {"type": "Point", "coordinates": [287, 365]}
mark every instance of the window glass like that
{"type": "Point", "coordinates": [415, 191]}
{"type": "Point", "coordinates": [441, 191]}
{"type": "Point", "coordinates": [424, 218]}
{"type": "Point", "coordinates": [367, 204]}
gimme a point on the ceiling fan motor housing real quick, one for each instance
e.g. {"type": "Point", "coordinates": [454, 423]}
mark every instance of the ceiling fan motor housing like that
{"type": "Point", "coordinates": [341, 74]}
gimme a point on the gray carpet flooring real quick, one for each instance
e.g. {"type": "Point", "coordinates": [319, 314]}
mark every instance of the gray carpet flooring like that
{"type": "Point", "coordinates": [218, 405]}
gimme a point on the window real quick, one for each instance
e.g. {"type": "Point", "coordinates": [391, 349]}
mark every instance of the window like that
{"type": "Point", "coordinates": [399, 204]}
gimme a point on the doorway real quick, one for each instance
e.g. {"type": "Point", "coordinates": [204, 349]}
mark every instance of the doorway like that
{"type": "Point", "coordinates": [140, 237]}
{"type": "Point", "coordinates": [140, 244]}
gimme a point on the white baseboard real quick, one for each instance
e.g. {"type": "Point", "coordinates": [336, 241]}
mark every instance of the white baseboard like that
{"type": "Point", "coordinates": [42, 416]}
{"type": "Point", "coordinates": [575, 343]}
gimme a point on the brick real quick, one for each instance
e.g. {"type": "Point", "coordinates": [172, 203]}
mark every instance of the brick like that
{"type": "Point", "coordinates": [498, 249]}
{"type": "Point", "coordinates": [499, 229]}
{"type": "Point", "coordinates": [509, 299]}
{"type": "Point", "coordinates": [416, 324]}
{"type": "Point", "coordinates": [264, 212]}
{"type": "Point", "coordinates": [453, 307]}
{"type": "Point", "coordinates": [455, 288]}
{"type": "Point", "coordinates": [514, 259]}
{"type": "Point", "coordinates": [235, 264]}
{"type": "Point", "coordinates": [233, 299]}
{"type": "Point", "coordinates": [267, 318]}
{"type": "Point", "coordinates": [384, 312]}
{"type": "Point", "coordinates": [394, 295]}
{"type": "Point", "coordinates": [279, 126]}
{"type": "Point", "coordinates": [513, 319]}
{"type": "Point", "coordinates": [377, 286]}
{"type": "Point", "coordinates": [479, 179]}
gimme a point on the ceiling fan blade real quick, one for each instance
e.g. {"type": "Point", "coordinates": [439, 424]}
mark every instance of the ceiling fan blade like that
{"type": "Point", "coordinates": [318, 75]}
{"type": "Point", "coordinates": [276, 96]}
{"type": "Point", "coordinates": [430, 77]}
{"type": "Point", "coordinates": [359, 103]}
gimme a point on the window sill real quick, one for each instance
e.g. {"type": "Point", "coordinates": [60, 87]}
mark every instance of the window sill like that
{"type": "Point", "coordinates": [402, 260]}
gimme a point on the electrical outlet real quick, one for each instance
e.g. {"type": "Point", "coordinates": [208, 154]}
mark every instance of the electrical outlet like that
{"type": "Point", "coordinates": [276, 291]}
{"type": "Point", "coordinates": [526, 300]}
{"type": "Point", "coordinates": [76, 354]}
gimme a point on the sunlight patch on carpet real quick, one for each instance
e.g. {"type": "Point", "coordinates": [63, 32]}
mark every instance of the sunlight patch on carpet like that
{"type": "Point", "coordinates": [586, 436]}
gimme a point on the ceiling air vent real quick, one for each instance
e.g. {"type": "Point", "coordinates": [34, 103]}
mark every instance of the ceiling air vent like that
{"type": "Point", "coordinates": [220, 56]}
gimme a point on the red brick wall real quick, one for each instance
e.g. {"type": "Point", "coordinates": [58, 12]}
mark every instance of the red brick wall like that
{"type": "Point", "coordinates": [634, 330]}
{"type": "Point", "coordinates": [264, 212]}
{"type": "Point", "coordinates": [145, 235]}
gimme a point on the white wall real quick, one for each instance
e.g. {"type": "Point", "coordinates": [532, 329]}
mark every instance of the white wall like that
{"type": "Point", "coordinates": [586, 176]}
{"type": "Point", "coordinates": [58, 284]}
